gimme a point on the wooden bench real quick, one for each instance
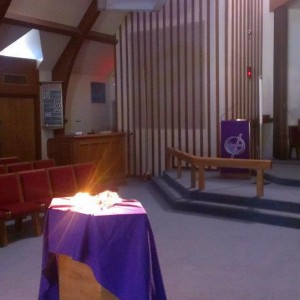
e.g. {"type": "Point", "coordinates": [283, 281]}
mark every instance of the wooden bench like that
{"type": "Point", "coordinates": [200, 163]}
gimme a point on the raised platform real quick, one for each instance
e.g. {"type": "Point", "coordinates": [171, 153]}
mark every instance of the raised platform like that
{"type": "Point", "coordinates": [236, 198]}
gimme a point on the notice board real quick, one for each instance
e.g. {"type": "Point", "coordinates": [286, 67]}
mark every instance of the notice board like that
{"type": "Point", "coordinates": [52, 105]}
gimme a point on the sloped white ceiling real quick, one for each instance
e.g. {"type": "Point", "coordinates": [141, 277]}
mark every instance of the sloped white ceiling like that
{"type": "Point", "coordinates": [94, 57]}
{"type": "Point", "coordinates": [10, 33]}
{"type": "Point", "coordinates": [52, 46]}
{"type": "Point", "coordinates": [109, 21]}
{"type": "Point", "coordinates": [67, 12]}
{"type": "Point", "coordinates": [131, 5]}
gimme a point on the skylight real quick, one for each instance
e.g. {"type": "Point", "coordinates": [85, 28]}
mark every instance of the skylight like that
{"type": "Point", "coordinates": [27, 46]}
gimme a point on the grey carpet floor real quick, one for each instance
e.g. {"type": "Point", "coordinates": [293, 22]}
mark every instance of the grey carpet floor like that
{"type": "Point", "coordinates": [201, 257]}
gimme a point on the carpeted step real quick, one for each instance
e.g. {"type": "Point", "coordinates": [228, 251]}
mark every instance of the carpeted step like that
{"type": "Point", "coordinates": [250, 210]}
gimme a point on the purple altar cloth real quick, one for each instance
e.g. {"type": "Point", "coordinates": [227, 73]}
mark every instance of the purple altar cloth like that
{"type": "Point", "coordinates": [116, 243]}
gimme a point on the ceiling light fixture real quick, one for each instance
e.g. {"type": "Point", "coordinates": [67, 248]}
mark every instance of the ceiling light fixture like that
{"type": "Point", "coordinates": [131, 5]}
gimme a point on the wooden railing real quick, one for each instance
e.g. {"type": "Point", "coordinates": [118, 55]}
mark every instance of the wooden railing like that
{"type": "Point", "coordinates": [200, 163]}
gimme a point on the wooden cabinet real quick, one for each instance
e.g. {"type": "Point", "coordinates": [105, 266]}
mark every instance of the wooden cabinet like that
{"type": "Point", "coordinates": [106, 150]}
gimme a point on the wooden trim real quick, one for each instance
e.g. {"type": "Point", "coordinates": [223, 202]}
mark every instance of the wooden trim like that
{"type": "Point", "coordinates": [48, 26]}
{"type": "Point", "coordinates": [34, 23]}
{"type": "Point", "coordinates": [280, 148]}
{"type": "Point", "coordinates": [3, 8]}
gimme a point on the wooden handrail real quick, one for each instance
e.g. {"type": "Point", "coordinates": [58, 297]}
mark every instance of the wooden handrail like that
{"type": "Point", "coordinates": [200, 163]}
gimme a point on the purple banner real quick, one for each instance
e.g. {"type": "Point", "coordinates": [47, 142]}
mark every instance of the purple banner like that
{"type": "Point", "coordinates": [235, 142]}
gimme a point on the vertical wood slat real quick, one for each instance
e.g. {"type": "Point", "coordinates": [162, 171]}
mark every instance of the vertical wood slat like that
{"type": "Point", "coordinates": [178, 77]}
{"type": "Point", "coordinates": [144, 107]}
{"type": "Point", "coordinates": [139, 95]}
{"type": "Point", "coordinates": [172, 76]}
{"type": "Point", "coordinates": [127, 94]}
{"type": "Point", "coordinates": [248, 60]}
{"type": "Point", "coordinates": [151, 95]}
{"type": "Point", "coordinates": [236, 65]}
{"type": "Point", "coordinates": [193, 87]}
{"type": "Point", "coordinates": [134, 152]}
{"type": "Point", "coordinates": [232, 106]}
{"type": "Point", "coordinates": [217, 38]}
{"type": "Point", "coordinates": [165, 78]}
{"type": "Point", "coordinates": [280, 150]}
{"type": "Point", "coordinates": [244, 57]}
{"type": "Point", "coordinates": [208, 78]}
{"type": "Point", "coordinates": [226, 68]}
{"type": "Point", "coordinates": [121, 81]}
{"type": "Point", "coordinates": [116, 85]}
{"type": "Point", "coordinates": [201, 82]}
{"type": "Point", "coordinates": [158, 98]}
{"type": "Point", "coordinates": [238, 61]}
{"type": "Point", "coordinates": [186, 107]}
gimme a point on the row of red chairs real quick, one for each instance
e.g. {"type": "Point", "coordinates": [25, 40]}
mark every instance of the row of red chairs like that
{"type": "Point", "coordinates": [9, 160]}
{"type": "Point", "coordinates": [30, 192]}
{"type": "Point", "coordinates": [24, 166]}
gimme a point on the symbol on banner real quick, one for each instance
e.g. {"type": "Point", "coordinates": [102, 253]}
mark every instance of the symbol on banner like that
{"type": "Point", "coordinates": [235, 145]}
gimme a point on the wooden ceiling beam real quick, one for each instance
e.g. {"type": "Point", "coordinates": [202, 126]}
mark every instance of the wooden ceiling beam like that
{"type": "Point", "coordinates": [48, 26]}
{"type": "Point", "coordinates": [63, 67]}
{"type": "Point", "coordinates": [39, 24]}
{"type": "Point", "coordinates": [274, 4]}
{"type": "Point", "coordinates": [4, 4]}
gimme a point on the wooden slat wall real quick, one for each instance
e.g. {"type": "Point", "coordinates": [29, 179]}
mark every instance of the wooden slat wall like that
{"type": "Point", "coordinates": [182, 70]}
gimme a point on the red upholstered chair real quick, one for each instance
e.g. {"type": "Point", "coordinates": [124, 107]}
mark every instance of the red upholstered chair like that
{"type": "Point", "coordinates": [18, 167]}
{"type": "Point", "coordinates": [44, 163]}
{"type": "Point", "coordinates": [12, 205]}
{"type": "Point", "coordinates": [86, 178]}
{"type": "Point", "coordinates": [9, 160]}
{"type": "Point", "coordinates": [3, 236]}
{"type": "Point", "coordinates": [2, 169]}
{"type": "Point", "coordinates": [63, 181]}
{"type": "Point", "coordinates": [36, 187]}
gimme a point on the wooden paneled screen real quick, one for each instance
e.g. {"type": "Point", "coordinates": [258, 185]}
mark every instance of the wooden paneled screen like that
{"type": "Point", "coordinates": [182, 70]}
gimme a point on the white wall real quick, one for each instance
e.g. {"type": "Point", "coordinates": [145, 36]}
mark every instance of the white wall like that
{"type": "Point", "coordinates": [81, 114]}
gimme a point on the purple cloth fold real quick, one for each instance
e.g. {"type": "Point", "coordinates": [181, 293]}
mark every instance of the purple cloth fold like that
{"type": "Point", "coordinates": [120, 249]}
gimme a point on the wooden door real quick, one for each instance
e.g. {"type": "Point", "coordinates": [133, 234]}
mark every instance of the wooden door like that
{"type": "Point", "coordinates": [17, 128]}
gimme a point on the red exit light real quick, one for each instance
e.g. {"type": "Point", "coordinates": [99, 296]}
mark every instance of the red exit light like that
{"type": "Point", "coordinates": [249, 72]}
